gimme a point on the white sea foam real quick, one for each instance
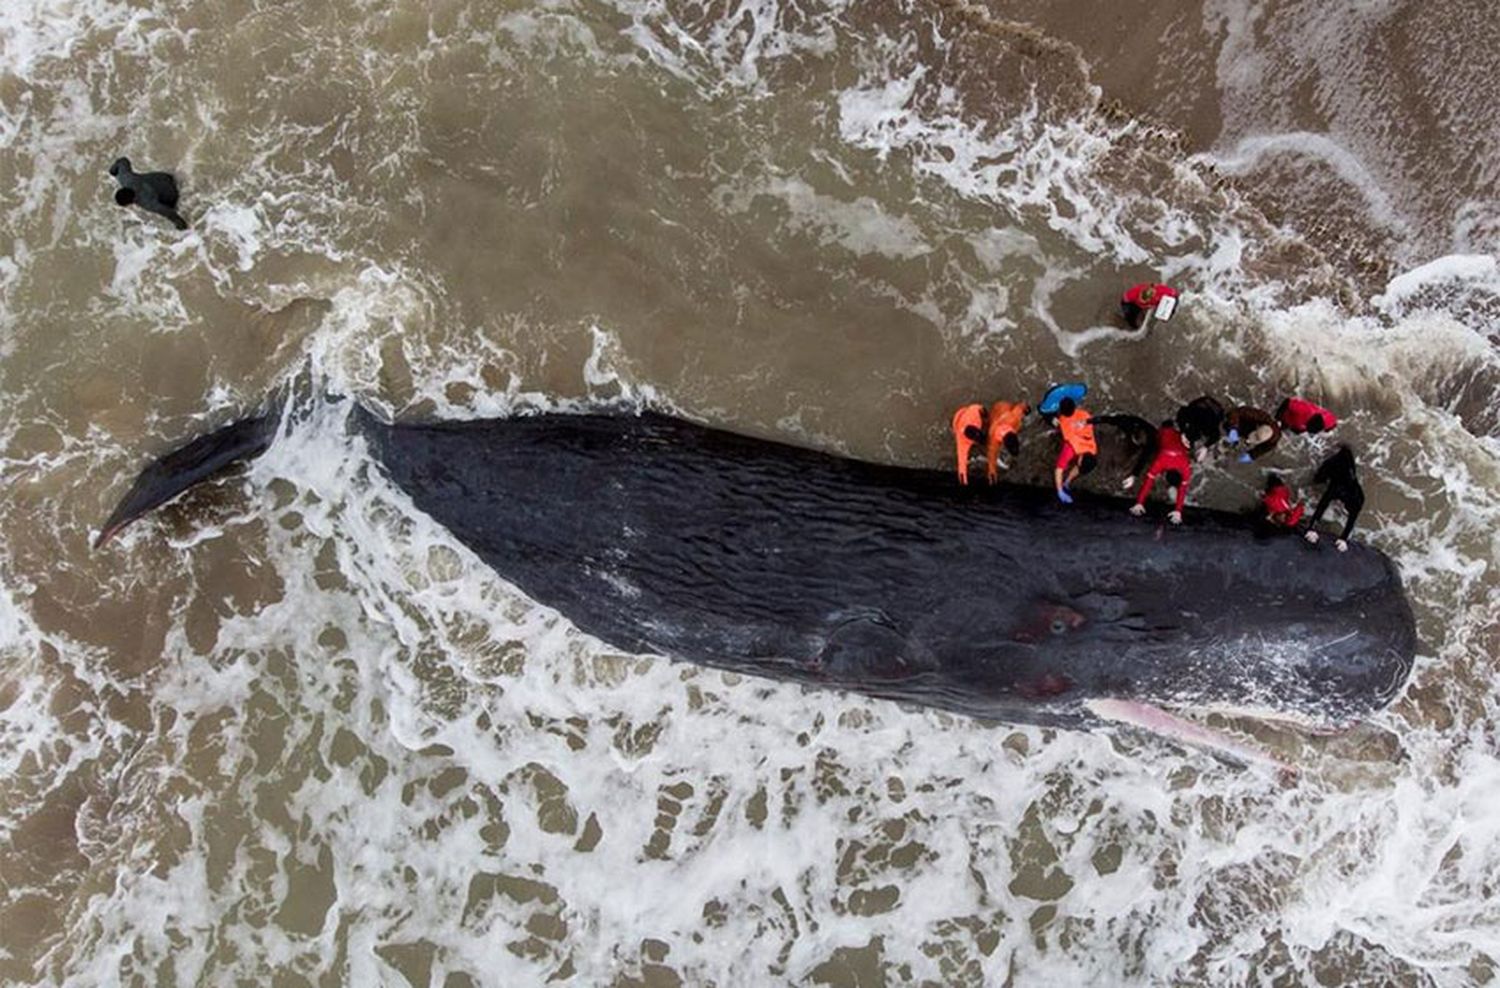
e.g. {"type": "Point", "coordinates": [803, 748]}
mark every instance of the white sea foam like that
{"type": "Point", "coordinates": [1029, 165]}
{"type": "Point", "coordinates": [1360, 359]}
{"type": "Point", "coordinates": [1362, 85]}
{"type": "Point", "coordinates": [732, 49]}
{"type": "Point", "coordinates": [1248, 152]}
{"type": "Point", "coordinates": [242, 227]}
{"type": "Point", "coordinates": [1464, 270]}
{"type": "Point", "coordinates": [860, 225]}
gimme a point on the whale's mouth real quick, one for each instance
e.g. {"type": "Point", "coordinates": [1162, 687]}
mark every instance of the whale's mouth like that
{"type": "Point", "coordinates": [1186, 727]}
{"type": "Point", "coordinates": [1181, 730]}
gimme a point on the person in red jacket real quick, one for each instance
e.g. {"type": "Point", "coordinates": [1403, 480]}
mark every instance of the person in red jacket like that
{"type": "Point", "coordinates": [1143, 298]}
{"type": "Point", "coordinates": [1173, 460]}
{"type": "Point", "coordinates": [1301, 415]}
{"type": "Point", "coordinates": [1281, 510]}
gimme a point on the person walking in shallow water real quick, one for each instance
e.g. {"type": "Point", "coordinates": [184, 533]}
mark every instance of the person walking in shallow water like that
{"type": "Point", "coordinates": [155, 192]}
{"type": "Point", "coordinates": [1143, 299]}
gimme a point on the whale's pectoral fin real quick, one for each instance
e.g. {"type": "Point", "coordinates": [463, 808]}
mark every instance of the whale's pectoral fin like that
{"type": "Point", "coordinates": [188, 465]}
{"type": "Point", "coordinates": [868, 647]}
{"type": "Point", "coordinates": [1184, 731]}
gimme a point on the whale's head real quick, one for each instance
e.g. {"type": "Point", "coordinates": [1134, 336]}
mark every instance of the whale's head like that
{"type": "Point", "coordinates": [1332, 641]}
{"type": "Point", "coordinates": [1302, 658]}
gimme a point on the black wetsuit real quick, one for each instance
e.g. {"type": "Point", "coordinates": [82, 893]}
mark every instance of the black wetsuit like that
{"type": "Point", "coordinates": [155, 192]}
{"type": "Point", "coordinates": [1338, 472]}
{"type": "Point", "coordinates": [1138, 432]}
{"type": "Point", "coordinates": [1201, 421]}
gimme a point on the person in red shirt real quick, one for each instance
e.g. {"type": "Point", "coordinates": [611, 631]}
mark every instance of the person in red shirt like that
{"type": "Point", "coordinates": [1281, 510]}
{"type": "Point", "coordinates": [1173, 460]}
{"type": "Point", "coordinates": [1301, 415]}
{"type": "Point", "coordinates": [1142, 298]}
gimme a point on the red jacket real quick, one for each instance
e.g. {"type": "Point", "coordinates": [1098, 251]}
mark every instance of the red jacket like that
{"type": "Point", "coordinates": [1133, 294]}
{"type": "Point", "coordinates": [1277, 501]}
{"type": "Point", "coordinates": [1171, 454]}
{"type": "Point", "coordinates": [1295, 413]}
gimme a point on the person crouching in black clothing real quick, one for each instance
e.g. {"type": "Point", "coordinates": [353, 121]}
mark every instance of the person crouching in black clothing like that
{"type": "Point", "coordinates": [1338, 472]}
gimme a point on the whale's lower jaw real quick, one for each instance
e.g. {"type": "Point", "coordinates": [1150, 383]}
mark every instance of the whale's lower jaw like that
{"type": "Point", "coordinates": [1180, 730]}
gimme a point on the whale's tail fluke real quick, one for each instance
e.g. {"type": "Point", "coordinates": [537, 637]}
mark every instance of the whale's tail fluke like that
{"type": "Point", "coordinates": [189, 465]}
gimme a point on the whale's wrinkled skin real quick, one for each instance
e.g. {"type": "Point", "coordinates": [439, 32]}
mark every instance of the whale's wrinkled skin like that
{"type": "Point", "coordinates": [657, 535]}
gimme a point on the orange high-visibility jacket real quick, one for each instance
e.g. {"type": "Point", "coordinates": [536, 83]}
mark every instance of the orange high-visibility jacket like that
{"type": "Point", "coordinates": [1005, 419]}
{"type": "Point", "coordinates": [965, 417]}
{"type": "Point", "coordinates": [1078, 431]}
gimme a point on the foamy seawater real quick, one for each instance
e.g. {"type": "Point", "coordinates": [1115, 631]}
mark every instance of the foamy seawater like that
{"type": "Point", "coordinates": [290, 731]}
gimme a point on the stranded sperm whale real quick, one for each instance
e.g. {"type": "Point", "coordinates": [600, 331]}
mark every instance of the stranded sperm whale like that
{"type": "Point", "coordinates": [658, 535]}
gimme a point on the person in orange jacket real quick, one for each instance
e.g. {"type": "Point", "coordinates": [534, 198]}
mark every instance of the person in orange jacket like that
{"type": "Point", "coordinates": [1172, 459]}
{"type": "Point", "coordinates": [1079, 448]}
{"type": "Point", "coordinates": [968, 432]}
{"type": "Point", "coordinates": [1004, 430]}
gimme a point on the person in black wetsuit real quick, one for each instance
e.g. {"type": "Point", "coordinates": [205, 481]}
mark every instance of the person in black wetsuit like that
{"type": "Point", "coordinates": [155, 192]}
{"type": "Point", "coordinates": [1201, 422]}
{"type": "Point", "coordinates": [1338, 472]}
{"type": "Point", "coordinates": [1141, 437]}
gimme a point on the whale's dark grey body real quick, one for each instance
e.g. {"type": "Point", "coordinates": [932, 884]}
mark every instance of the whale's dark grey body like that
{"type": "Point", "coordinates": [658, 535]}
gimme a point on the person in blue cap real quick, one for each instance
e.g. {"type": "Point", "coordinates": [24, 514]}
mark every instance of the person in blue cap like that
{"type": "Point", "coordinates": [1050, 405]}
